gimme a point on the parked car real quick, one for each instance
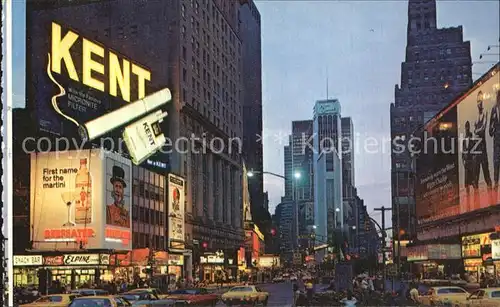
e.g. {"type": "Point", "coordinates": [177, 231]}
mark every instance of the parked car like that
{"type": "Point", "coordinates": [489, 297]}
{"type": "Point", "coordinates": [245, 295]}
{"type": "Point", "coordinates": [455, 296]}
{"type": "Point", "coordinates": [155, 291]}
{"type": "Point", "coordinates": [90, 292]}
{"type": "Point", "coordinates": [197, 297]}
{"type": "Point", "coordinates": [100, 300]}
{"type": "Point", "coordinates": [53, 300]}
{"type": "Point", "coordinates": [146, 298]}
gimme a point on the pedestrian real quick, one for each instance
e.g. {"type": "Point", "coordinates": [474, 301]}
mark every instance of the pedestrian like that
{"type": "Point", "coordinates": [414, 295]}
{"type": "Point", "coordinates": [310, 291]}
{"type": "Point", "coordinates": [349, 300]}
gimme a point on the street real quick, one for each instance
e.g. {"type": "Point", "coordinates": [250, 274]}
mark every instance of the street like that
{"type": "Point", "coordinates": [280, 294]}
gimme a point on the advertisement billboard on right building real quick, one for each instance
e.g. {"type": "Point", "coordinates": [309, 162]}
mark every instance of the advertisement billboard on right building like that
{"type": "Point", "coordinates": [458, 157]}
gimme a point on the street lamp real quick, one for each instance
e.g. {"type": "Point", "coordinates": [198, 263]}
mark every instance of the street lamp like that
{"type": "Point", "coordinates": [297, 175]}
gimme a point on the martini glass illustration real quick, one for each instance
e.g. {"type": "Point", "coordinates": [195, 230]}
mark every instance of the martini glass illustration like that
{"type": "Point", "coordinates": [68, 198]}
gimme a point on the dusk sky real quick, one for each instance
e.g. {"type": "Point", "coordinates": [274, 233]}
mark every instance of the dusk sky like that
{"type": "Point", "coordinates": [361, 45]}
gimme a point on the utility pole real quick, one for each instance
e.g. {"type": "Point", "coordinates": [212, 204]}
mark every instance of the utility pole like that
{"type": "Point", "coordinates": [383, 210]}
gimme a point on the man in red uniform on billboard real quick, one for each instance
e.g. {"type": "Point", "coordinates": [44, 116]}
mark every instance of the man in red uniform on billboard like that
{"type": "Point", "coordinates": [116, 213]}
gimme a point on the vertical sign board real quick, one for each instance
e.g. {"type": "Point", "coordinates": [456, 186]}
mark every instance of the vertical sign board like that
{"type": "Point", "coordinates": [176, 208]}
{"type": "Point", "coordinates": [118, 202]}
{"type": "Point", "coordinates": [74, 203]}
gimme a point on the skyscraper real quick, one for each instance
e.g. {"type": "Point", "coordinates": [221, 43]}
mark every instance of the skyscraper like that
{"type": "Point", "coordinates": [347, 143]}
{"type": "Point", "coordinates": [437, 67]}
{"type": "Point", "coordinates": [298, 159]}
{"type": "Point", "coordinates": [328, 203]}
{"type": "Point", "coordinates": [347, 147]}
{"type": "Point", "coordinates": [250, 34]}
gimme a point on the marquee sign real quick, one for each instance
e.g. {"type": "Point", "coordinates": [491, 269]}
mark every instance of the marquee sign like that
{"type": "Point", "coordinates": [28, 260]}
{"type": "Point", "coordinates": [81, 259]}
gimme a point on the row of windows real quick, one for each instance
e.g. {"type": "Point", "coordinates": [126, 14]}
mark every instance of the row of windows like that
{"type": "Point", "coordinates": [148, 216]}
{"type": "Point", "coordinates": [142, 240]}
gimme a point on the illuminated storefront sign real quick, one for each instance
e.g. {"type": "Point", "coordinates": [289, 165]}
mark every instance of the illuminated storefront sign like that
{"type": "Point", "coordinates": [433, 252]}
{"type": "Point", "coordinates": [269, 261]}
{"type": "Point", "coordinates": [77, 259]}
{"type": "Point", "coordinates": [471, 245]}
{"type": "Point", "coordinates": [417, 253]}
{"type": "Point", "coordinates": [214, 259]}
{"type": "Point", "coordinates": [27, 260]}
{"type": "Point", "coordinates": [53, 260]}
{"type": "Point", "coordinates": [495, 249]}
{"type": "Point", "coordinates": [175, 259]}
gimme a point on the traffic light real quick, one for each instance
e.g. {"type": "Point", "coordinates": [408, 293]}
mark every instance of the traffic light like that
{"type": "Point", "coordinates": [273, 232]}
{"type": "Point", "coordinates": [204, 245]}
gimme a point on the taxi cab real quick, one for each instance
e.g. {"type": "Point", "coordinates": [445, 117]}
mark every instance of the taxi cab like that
{"type": "Point", "coordinates": [54, 300]}
{"type": "Point", "coordinates": [245, 295]}
{"type": "Point", "coordinates": [100, 300]}
{"type": "Point", "coordinates": [489, 297]}
{"type": "Point", "coordinates": [454, 296]}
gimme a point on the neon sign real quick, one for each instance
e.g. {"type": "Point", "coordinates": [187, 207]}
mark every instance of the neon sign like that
{"type": "Point", "coordinates": [73, 234]}
{"type": "Point", "coordinates": [118, 74]}
{"type": "Point", "coordinates": [118, 235]}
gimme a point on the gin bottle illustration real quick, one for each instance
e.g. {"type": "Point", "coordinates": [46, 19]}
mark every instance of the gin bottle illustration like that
{"type": "Point", "coordinates": [83, 186]}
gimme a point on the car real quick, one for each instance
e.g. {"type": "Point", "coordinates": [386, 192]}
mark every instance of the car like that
{"type": "Point", "coordinates": [245, 295]}
{"type": "Point", "coordinates": [293, 278]}
{"type": "Point", "coordinates": [278, 279]}
{"type": "Point", "coordinates": [489, 297]}
{"type": "Point", "coordinates": [146, 298]}
{"type": "Point", "coordinates": [197, 297]}
{"type": "Point", "coordinates": [456, 296]}
{"type": "Point", "coordinates": [155, 291]}
{"type": "Point", "coordinates": [89, 292]}
{"type": "Point", "coordinates": [100, 300]}
{"type": "Point", "coordinates": [53, 300]}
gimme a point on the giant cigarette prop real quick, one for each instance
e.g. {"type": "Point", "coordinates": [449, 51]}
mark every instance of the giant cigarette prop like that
{"type": "Point", "coordinates": [102, 125]}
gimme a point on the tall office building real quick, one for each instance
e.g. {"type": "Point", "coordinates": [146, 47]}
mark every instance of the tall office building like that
{"type": "Point", "coordinates": [299, 160]}
{"type": "Point", "coordinates": [303, 187]}
{"type": "Point", "coordinates": [196, 49]}
{"type": "Point", "coordinates": [347, 147]}
{"type": "Point", "coordinates": [327, 168]}
{"type": "Point", "coordinates": [249, 30]}
{"type": "Point", "coordinates": [347, 144]}
{"type": "Point", "coordinates": [288, 163]}
{"type": "Point", "coordinates": [209, 59]}
{"type": "Point", "coordinates": [437, 67]}
{"type": "Point", "coordinates": [288, 227]}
